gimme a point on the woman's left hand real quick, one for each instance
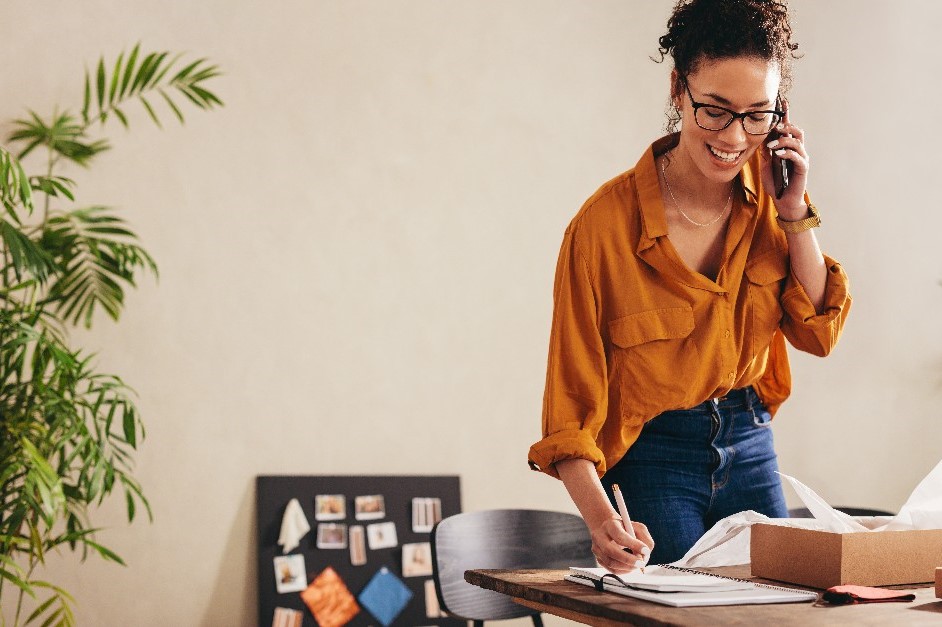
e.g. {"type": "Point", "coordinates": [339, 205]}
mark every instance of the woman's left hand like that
{"type": "Point", "coordinates": [791, 206]}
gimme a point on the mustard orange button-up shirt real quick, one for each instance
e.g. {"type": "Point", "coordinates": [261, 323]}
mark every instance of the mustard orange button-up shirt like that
{"type": "Point", "coordinates": [636, 332]}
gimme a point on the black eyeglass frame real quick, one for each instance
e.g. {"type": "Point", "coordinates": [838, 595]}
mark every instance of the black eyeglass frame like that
{"type": "Point", "coordinates": [733, 115]}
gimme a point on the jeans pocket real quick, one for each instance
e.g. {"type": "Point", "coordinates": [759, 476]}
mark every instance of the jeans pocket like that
{"type": "Point", "coordinates": [760, 414]}
{"type": "Point", "coordinates": [761, 417]}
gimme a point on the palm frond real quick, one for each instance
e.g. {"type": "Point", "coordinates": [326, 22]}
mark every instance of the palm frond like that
{"type": "Point", "coordinates": [63, 135]}
{"type": "Point", "coordinates": [15, 190]}
{"type": "Point", "coordinates": [27, 257]}
{"type": "Point", "coordinates": [140, 74]}
{"type": "Point", "coordinates": [97, 256]}
{"type": "Point", "coordinates": [53, 185]}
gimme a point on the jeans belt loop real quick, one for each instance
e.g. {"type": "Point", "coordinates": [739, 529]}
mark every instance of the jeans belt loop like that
{"type": "Point", "coordinates": [752, 408]}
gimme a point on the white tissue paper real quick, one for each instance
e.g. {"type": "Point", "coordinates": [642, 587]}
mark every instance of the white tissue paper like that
{"type": "Point", "coordinates": [923, 508]}
{"type": "Point", "coordinates": [293, 526]}
{"type": "Point", "coordinates": [832, 519]}
{"type": "Point", "coordinates": [727, 543]}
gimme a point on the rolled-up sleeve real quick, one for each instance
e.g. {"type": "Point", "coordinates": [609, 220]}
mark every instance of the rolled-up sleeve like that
{"type": "Point", "coordinates": [575, 400]}
{"type": "Point", "coordinates": [805, 328]}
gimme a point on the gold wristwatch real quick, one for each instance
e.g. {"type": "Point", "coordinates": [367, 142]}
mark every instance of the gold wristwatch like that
{"type": "Point", "coordinates": [804, 224]}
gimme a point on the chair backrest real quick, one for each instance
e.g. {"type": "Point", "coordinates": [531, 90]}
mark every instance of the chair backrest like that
{"type": "Point", "coordinates": [502, 538]}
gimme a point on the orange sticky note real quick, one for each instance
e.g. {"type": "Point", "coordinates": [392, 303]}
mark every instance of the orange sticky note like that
{"type": "Point", "coordinates": [329, 600]}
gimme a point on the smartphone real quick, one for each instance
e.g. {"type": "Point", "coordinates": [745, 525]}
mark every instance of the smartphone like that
{"type": "Point", "coordinates": [781, 168]}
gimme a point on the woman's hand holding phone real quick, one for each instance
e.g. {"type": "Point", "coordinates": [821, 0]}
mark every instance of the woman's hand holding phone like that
{"type": "Point", "coordinates": [785, 144]}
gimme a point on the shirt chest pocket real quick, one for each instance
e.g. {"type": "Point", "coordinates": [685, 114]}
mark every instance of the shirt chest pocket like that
{"type": "Point", "coordinates": [653, 356]}
{"type": "Point", "coordinates": [766, 279]}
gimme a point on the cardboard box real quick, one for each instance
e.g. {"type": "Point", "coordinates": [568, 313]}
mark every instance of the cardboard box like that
{"type": "Point", "coordinates": [938, 583]}
{"type": "Point", "coordinates": [822, 559]}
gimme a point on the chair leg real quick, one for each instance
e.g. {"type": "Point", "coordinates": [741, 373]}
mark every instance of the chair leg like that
{"type": "Point", "coordinates": [537, 620]}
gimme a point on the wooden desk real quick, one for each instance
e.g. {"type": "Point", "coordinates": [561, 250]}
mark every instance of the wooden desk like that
{"type": "Point", "coordinates": [547, 591]}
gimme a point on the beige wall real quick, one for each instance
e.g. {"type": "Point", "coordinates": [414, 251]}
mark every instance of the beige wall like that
{"type": "Point", "coordinates": [357, 251]}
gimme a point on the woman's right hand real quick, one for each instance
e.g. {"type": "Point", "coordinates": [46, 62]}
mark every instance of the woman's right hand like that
{"type": "Point", "coordinates": [610, 541]}
{"type": "Point", "coordinates": [609, 538]}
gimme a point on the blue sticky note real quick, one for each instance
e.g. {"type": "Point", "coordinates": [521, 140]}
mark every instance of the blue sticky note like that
{"type": "Point", "coordinates": [385, 596]}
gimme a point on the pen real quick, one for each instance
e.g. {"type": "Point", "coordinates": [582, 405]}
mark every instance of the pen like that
{"type": "Point", "coordinates": [623, 512]}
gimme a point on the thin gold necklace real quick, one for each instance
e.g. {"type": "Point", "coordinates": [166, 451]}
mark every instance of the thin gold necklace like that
{"type": "Point", "coordinates": [689, 219]}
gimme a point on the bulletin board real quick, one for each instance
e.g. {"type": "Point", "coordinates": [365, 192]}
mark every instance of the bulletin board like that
{"type": "Point", "coordinates": [272, 495]}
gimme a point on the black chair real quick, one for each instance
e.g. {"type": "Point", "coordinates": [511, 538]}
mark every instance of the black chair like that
{"type": "Point", "coordinates": [502, 538]}
{"type": "Point", "coordinates": [804, 512]}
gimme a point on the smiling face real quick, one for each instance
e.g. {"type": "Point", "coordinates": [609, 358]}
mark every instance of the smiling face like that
{"type": "Point", "coordinates": [739, 84]}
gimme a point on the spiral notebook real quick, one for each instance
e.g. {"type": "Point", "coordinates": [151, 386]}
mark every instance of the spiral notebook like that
{"type": "Point", "coordinates": [684, 587]}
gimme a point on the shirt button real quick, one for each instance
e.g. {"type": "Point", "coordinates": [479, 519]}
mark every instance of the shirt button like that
{"type": "Point", "coordinates": [732, 375]}
{"type": "Point", "coordinates": [727, 334]}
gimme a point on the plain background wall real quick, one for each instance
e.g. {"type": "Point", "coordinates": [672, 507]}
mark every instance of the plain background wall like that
{"type": "Point", "coordinates": [357, 252]}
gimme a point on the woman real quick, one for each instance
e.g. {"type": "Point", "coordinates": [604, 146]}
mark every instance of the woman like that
{"type": "Point", "coordinates": [676, 287]}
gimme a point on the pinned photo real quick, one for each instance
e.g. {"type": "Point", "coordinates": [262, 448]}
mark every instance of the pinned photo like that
{"type": "Point", "coordinates": [371, 507]}
{"type": "Point", "coordinates": [425, 513]}
{"type": "Point", "coordinates": [290, 575]}
{"type": "Point", "coordinates": [432, 607]}
{"type": "Point", "coordinates": [417, 559]}
{"type": "Point", "coordinates": [286, 617]}
{"type": "Point", "coordinates": [330, 507]}
{"type": "Point", "coordinates": [382, 535]}
{"type": "Point", "coordinates": [331, 536]}
{"type": "Point", "coordinates": [357, 545]}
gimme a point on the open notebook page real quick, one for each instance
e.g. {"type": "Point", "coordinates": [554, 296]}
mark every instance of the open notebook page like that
{"type": "Point", "coordinates": [664, 580]}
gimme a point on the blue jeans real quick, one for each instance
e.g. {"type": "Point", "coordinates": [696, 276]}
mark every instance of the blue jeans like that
{"type": "Point", "coordinates": [693, 467]}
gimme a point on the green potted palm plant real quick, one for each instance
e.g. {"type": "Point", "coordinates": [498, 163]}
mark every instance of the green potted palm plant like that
{"type": "Point", "coordinates": [68, 433]}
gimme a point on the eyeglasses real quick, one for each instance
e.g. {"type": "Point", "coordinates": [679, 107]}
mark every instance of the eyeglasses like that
{"type": "Point", "coordinates": [713, 118]}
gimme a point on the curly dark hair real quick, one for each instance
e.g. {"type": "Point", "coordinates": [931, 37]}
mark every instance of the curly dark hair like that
{"type": "Point", "coordinates": [718, 29]}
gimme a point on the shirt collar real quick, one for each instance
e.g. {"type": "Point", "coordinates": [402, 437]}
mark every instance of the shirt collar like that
{"type": "Point", "coordinates": [653, 219]}
{"type": "Point", "coordinates": [747, 176]}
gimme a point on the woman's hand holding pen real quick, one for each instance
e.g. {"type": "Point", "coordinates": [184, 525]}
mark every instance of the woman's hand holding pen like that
{"type": "Point", "coordinates": [790, 146]}
{"type": "Point", "coordinates": [615, 549]}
